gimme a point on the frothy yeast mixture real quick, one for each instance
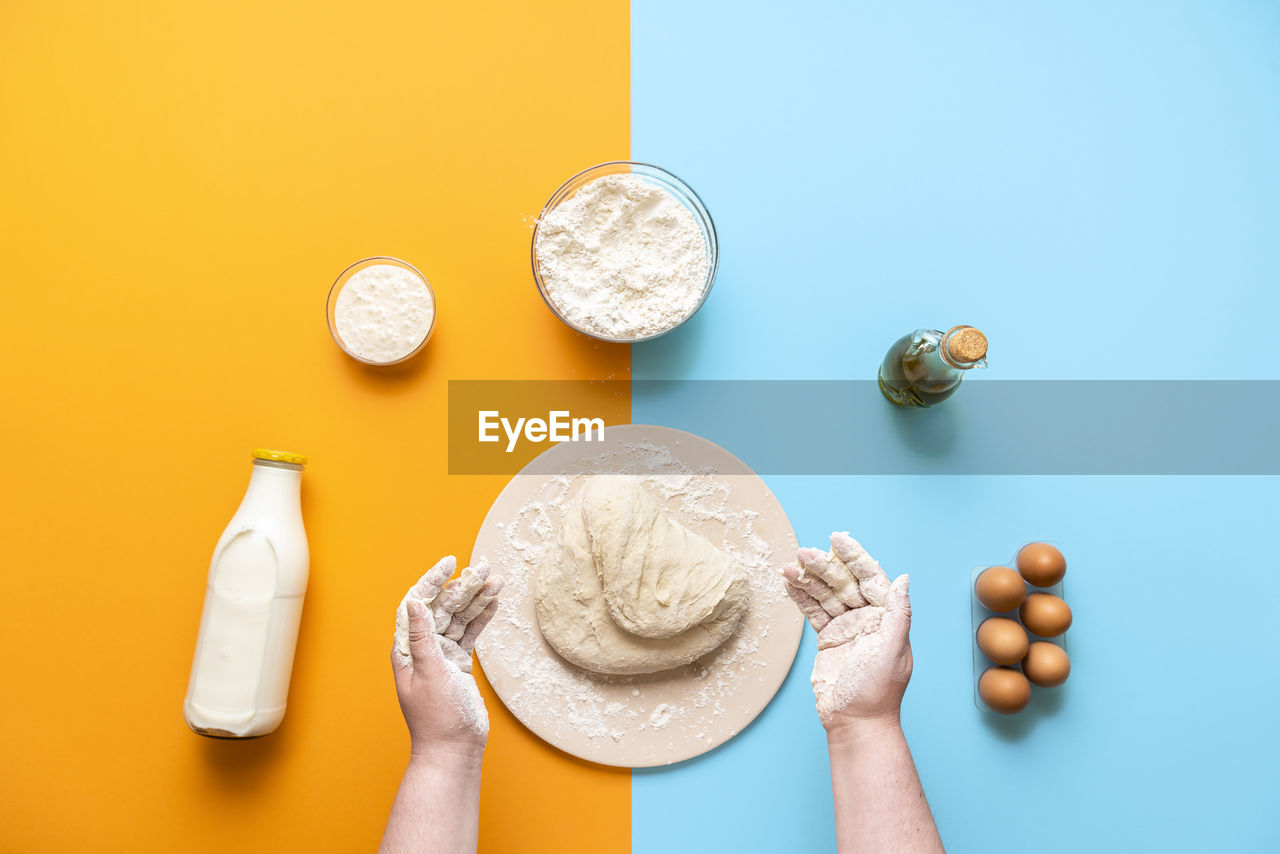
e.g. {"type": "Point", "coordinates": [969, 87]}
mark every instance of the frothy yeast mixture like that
{"type": "Point", "coordinates": [383, 313]}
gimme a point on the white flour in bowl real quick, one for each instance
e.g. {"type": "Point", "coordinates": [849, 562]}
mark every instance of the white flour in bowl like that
{"type": "Point", "coordinates": [383, 313]}
{"type": "Point", "coordinates": [622, 258]}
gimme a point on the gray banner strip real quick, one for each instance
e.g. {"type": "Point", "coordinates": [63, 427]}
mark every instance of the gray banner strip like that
{"type": "Point", "coordinates": [987, 427]}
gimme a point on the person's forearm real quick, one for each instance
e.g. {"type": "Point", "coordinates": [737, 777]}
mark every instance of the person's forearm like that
{"type": "Point", "coordinates": [437, 808]}
{"type": "Point", "coordinates": [880, 804]}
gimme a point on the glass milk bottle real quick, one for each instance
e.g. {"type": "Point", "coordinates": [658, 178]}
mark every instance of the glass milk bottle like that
{"type": "Point", "coordinates": [926, 367]}
{"type": "Point", "coordinates": [252, 607]}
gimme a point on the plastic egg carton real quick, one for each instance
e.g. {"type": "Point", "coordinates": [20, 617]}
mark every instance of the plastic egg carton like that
{"type": "Point", "coordinates": [979, 613]}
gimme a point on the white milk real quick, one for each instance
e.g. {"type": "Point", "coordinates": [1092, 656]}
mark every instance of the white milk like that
{"type": "Point", "coordinates": [252, 607]}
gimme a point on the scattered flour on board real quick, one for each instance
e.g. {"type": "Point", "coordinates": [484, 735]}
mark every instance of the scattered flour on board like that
{"type": "Point", "coordinates": [662, 715]}
{"type": "Point", "coordinates": [574, 700]}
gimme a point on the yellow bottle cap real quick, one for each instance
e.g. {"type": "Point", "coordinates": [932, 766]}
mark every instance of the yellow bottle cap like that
{"type": "Point", "coordinates": [279, 456]}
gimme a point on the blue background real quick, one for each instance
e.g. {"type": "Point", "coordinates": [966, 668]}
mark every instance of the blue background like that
{"type": "Point", "coordinates": [1096, 185]}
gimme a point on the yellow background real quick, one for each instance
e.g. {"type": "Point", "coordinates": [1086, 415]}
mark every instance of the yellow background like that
{"type": "Point", "coordinates": [181, 183]}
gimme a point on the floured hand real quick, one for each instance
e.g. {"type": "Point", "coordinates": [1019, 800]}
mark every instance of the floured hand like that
{"type": "Point", "coordinates": [863, 624]}
{"type": "Point", "coordinates": [437, 624]}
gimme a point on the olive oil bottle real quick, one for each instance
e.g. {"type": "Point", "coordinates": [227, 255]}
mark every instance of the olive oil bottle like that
{"type": "Point", "coordinates": [926, 367]}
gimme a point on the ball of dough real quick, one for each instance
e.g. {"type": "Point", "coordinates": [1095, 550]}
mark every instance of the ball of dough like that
{"type": "Point", "coordinates": [632, 590]}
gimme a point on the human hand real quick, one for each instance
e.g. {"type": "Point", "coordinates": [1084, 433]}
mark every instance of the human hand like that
{"type": "Point", "coordinates": [863, 624]}
{"type": "Point", "coordinates": [436, 628]}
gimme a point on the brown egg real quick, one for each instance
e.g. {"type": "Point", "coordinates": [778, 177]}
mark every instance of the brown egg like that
{"type": "Point", "coordinates": [1045, 615]}
{"type": "Point", "coordinates": [1004, 690]}
{"type": "Point", "coordinates": [1002, 640]}
{"type": "Point", "coordinates": [1000, 588]}
{"type": "Point", "coordinates": [1041, 564]}
{"type": "Point", "coordinates": [1046, 664]}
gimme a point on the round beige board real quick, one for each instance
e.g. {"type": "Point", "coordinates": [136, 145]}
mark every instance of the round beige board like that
{"type": "Point", "coordinates": [658, 718]}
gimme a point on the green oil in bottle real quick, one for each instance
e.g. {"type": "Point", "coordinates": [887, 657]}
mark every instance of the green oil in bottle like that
{"type": "Point", "coordinates": [926, 367]}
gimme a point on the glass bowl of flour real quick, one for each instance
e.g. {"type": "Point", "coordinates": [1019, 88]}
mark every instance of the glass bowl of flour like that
{"type": "Point", "coordinates": [381, 311]}
{"type": "Point", "coordinates": [624, 252]}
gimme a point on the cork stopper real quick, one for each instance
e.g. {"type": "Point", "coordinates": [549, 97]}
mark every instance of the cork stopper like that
{"type": "Point", "coordinates": [966, 344]}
